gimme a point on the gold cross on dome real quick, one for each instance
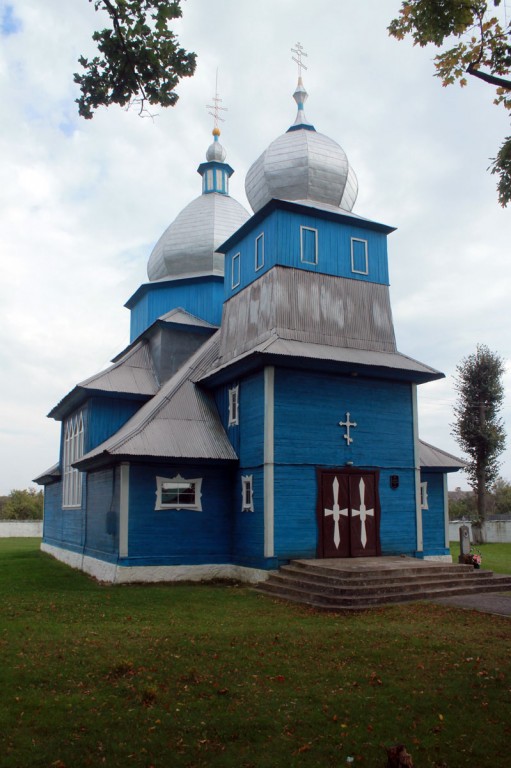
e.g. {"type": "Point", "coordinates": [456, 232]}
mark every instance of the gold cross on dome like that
{"type": "Point", "coordinates": [298, 58]}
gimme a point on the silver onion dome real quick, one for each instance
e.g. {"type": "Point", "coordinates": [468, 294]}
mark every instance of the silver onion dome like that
{"type": "Point", "coordinates": [302, 164]}
{"type": "Point", "coordinates": [188, 246]}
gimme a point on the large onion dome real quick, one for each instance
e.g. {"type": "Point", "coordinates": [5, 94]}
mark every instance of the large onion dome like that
{"type": "Point", "coordinates": [302, 165]}
{"type": "Point", "coordinates": [188, 245]}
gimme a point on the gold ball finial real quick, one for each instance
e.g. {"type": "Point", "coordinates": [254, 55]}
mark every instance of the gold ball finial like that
{"type": "Point", "coordinates": [216, 131]}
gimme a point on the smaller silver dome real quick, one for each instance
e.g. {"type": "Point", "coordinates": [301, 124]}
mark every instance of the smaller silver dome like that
{"type": "Point", "coordinates": [216, 152]}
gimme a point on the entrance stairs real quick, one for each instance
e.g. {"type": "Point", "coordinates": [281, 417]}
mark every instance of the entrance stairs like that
{"type": "Point", "coordinates": [361, 583]}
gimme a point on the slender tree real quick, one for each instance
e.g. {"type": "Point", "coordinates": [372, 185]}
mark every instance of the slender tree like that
{"type": "Point", "coordinates": [481, 49]}
{"type": "Point", "coordinates": [478, 429]}
{"type": "Point", "coordinates": [140, 61]}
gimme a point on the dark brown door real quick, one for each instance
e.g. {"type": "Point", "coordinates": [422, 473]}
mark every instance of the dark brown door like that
{"type": "Point", "coordinates": [348, 513]}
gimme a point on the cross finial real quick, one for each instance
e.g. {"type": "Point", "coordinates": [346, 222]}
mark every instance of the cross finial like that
{"type": "Point", "coordinates": [298, 58]}
{"type": "Point", "coordinates": [215, 108]}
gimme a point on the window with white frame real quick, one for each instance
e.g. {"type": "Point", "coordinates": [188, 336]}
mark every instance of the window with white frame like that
{"type": "Point", "coordinates": [235, 271]}
{"type": "Point", "coordinates": [359, 259]}
{"type": "Point", "coordinates": [234, 406]}
{"type": "Point", "coordinates": [73, 450]}
{"type": "Point", "coordinates": [308, 245]}
{"type": "Point", "coordinates": [259, 251]}
{"type": "Point", "coordinates": [178, 493]}
{"type": "Point", "coordinates": [424, 496]}
{"type": "Point", "coordinates": [247, 494]}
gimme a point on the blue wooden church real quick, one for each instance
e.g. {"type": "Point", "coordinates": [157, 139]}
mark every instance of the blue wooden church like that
{"type": "Point", "coordinates": [261, 411]}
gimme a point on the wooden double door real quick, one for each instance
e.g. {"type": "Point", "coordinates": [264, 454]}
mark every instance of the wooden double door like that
{"type": "Point", "coordinates": [348, 513]}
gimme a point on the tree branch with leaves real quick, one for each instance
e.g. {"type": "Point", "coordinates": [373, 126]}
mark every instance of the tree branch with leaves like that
{"type": "Point", "coordinates": [140, 61]}
{"type": "Point", "coordinates": [481, 48]}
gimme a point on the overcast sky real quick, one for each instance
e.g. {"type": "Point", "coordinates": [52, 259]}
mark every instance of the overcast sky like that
{"type": "Point", "coordinates": [83, 202]}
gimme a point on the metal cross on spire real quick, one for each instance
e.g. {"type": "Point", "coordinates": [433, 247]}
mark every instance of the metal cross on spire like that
{"type": "Point", "coordinates": [298, 58]}
{"type": "Point", "coordinates": [215, 108]}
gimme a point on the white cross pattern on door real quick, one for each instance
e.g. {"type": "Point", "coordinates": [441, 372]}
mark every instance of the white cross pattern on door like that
{"type": "Point", "coordinates": [335, 512]}
{"type": "Point", "coordinates": [363, 512]}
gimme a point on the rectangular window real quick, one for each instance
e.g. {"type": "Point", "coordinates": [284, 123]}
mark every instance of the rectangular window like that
{"type": "Point", "coordinates": [259, 251]}
{"type": "Point", "coordinates": [219, 181]}
{"type": "Point", "coordinates": [236, 274]}
{"type": "Point", "coordinates": [247, 494]}
{"type": "Point", "coordinates": [359, 260]}
{"type": "Point", "coordinates": [73, 450]}
{"type": "Point", "coordinates": [309, 245]}
{"type": "Point", "coordinates": [424, 496]}
{"type": "Point", "coordinates": [233, 406]}
{"type": "Point", "coordinates": [178, 493]}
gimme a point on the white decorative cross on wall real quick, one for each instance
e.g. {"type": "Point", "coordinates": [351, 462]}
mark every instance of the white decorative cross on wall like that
{"type": "Point", "coordinates": [363, 512]}
{"type": "Point", "coordinates": [348, 424]}
{"type": "Point", "coordinates": [335, 512]}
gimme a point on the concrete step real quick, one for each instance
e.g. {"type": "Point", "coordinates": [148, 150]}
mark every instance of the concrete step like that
{"type": "Point", "coordinates": [351, 585]}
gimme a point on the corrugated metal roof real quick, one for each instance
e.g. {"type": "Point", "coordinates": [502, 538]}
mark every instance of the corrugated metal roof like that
{"type": "Point", "coordinates": [49, 476]}
{"type": "Point", "coordinates": [429, 456]}
{"type": "Point", "coordinates": [133, 374]}
{"type": "Point", "coordinates": [308, 307]}
{"type": "Point", "coordinates": [180, 422]}
{"type": "Point", "coordinates": [182, 317]}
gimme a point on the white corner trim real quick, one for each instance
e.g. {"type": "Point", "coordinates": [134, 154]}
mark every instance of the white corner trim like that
{"type": "Point", "coordinates": [124, 505]}
{"type": "Point", "coordinates": [416, 462]}
{"type": "Point", "coordinates": [269, 458]}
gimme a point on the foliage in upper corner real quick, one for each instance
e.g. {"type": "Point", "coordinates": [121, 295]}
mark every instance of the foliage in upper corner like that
{"type": "Point", "coordinates": [481, 48]}
{"type": "Point", "coordinates": [478, 429]}
{"type": "Point", "coordinates": [140, 60]}
{"type": "Point", "coordinates": [26, 504]}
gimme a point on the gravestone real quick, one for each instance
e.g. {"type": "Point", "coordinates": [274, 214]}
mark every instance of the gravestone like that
{"type": "Point", "coordinates": [464, 543]}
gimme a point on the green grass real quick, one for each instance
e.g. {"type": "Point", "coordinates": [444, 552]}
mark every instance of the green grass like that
{"type": "Point", "coordinates": [191, 676]}
{"type": "Point", "coordinates": [496, 557]}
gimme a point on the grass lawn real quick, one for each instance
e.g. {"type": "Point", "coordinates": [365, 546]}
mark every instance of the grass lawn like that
{"type": "Point", "coordinates": [195, 676]}
{"type": "Point", "coordinates": [496, 557]}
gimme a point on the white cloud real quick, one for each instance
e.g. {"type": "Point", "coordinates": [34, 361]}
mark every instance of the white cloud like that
{"type": "Point", "coordinates": [82, 202]}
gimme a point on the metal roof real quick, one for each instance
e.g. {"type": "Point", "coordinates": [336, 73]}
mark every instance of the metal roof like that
{"type": "Point", "coordinates": [180, 422]}
{"type": "Point", "coordinates": [132, 374]}
{"type": "Point", "coordinates": [51, 475]}
{"type": "Point", "coordinates": [432, 457]}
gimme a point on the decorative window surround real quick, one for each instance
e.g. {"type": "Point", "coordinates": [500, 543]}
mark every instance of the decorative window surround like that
{"type": "Point", "coordinates": [178, 493]}
{"type": "Point", "coordinates": [259, 252]}
{"type": "Point", "coordinates": [234, 406]}
{"type": "Point", "coordinates": [235, 271]}
{"type": "Point", "coordinates": [308, 245]}
{"type": "Point", "coordinates": [247, 493]}
{"type": "Point", "coordinates": [424, 496]}
{"type": "Point", "coordinates": [359, 257]}
{"type": "Point", "coordinates": [73, 450]}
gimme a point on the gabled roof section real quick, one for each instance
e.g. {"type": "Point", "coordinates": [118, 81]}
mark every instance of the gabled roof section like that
{"type": "Point", "coordinates": [132, 374]}
{"type": "Point", "coordinates": [434, 458]}
{"type": "Point", "coordinates": [176, 318]}
{"type": "Point", "coordinates": [180, 422]}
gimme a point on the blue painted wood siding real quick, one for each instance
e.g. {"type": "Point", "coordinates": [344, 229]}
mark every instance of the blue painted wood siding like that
{"type": "Point", "coordinates": [102, 521]}
{"type": "Point", "coordinates": [179, 537]}
{"type": "Point", "coordinates": [201, 298]}
{"type": "Point", "coordinates": [282, 246]}
{"type": "Point", "coordinates": [308, 409]}
{"type": "Point", "coordinates": [105, 416]}
{"type": "Point", "coordinates": [433, 520]}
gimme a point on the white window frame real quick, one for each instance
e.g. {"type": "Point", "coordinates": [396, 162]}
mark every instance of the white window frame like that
{"type": "Point", "coordinates": [236, 267]}
{"type": "Point", "coordinates": [308, 229]}
{"type": "Point", "coordinates": [247, 493]}
{"type": "Point", "coordinates": [424, 496]}
{"type": "Point", "coordinates": [258, 265]}
{"type": "Point", "coordinates": [234, 406]}
{"type": "Point", "coordinates": [178, 480]}
{"type": "Point", "coordinates": [359, 271]}
{"type": "Point", "coordinates": [72, 451]}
